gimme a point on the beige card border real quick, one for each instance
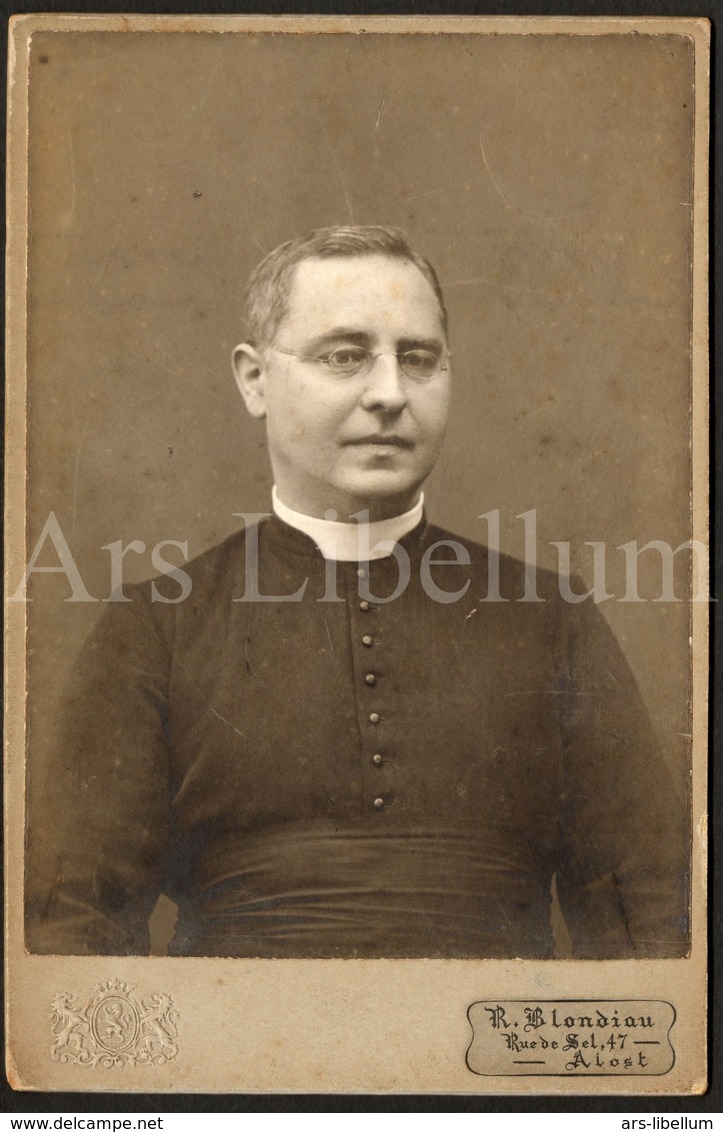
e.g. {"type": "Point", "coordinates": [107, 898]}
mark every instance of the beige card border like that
{"type": "Point", "coordinates": [384, 1026]}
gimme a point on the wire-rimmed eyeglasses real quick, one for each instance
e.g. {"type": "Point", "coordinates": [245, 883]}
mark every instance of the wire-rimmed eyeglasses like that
{"type": "Point", "coordinates": [349, 361]}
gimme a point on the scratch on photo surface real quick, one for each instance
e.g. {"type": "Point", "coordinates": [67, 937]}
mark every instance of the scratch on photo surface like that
{"type": "Point", "coordinates": [339, 170]}
{"type": "Point", "coordinates": [542, 217]}
{"type": "Point", "coordinates": [344, 189]}
{"type": "Point", "coordinates": [112, 249]}
{"type": "Point", "coordinates": [503, 911]}
{"type": "Point", "coordinates": [76, 468]}
{"type": "Point", "coordinates": [379, 116]}
{"type": "Point", "coordinates": [261, 248]}
{"type": "Point", "coordinates": [467, 282]}
{"type": "Point", "coordinates": [65, 223]}
{"type": "Point", "coordinates": [228, 722]}
{"type": "Point", "coordinates": [326, 626]}
{"type": "Point", "coordinates": [249, 665]}
{"type": "Point", "coordinates": [434, 192]}
{"type": "Point", "coordinates": [494, 179]}
{"type": "Point", "coordinates": [548, 692]}
{"type": "Point", "coordinates": [211, 708]}
{"type": "Point", "coordinates": [613, 677]}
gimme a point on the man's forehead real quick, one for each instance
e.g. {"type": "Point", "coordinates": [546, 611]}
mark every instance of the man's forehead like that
{"type": "Point", "coordinates": [324, 288]}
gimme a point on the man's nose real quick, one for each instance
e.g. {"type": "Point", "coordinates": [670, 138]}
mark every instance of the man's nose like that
{"type": "Point", "coordinates": [385, 387]}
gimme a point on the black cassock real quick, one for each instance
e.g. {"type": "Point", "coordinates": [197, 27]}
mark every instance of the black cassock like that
{"type": "Point", "coordinates": [356, 776]}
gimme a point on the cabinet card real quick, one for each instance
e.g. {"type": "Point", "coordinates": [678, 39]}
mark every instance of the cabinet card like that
{"type": "Point", "coordinates": [392, 778]}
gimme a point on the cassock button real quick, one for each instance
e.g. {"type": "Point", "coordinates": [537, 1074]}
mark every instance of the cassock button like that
{"type": "Point", "coordinates": [367, 640]}
{"type": "Point", "coordinates": [361, 572]}
{"type": "Point", "coordinates": [370, 679]}
{"type": "Point", "coordinates": [378, 803]}
{"type": "Point", "coordinates": [364, 606]}
{"type": "Point", "coordinates": [377, 760]}
{"type": "Point", "coordinates": [374, 717]}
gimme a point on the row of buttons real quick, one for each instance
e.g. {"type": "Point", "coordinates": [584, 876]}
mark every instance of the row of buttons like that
{"type": "Point", "coordinates": [371, 679]}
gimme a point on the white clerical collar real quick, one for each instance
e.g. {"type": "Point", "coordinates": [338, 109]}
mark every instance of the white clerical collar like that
{"type": "Point", "coordinates": [351, 542]}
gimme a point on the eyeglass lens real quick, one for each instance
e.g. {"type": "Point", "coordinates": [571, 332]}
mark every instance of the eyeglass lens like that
{"type": "Point", "coordinates": [419, 364]}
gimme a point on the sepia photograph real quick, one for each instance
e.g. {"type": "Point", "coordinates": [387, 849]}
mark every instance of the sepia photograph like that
{"type": "Point", "coordinates": [356, 566]}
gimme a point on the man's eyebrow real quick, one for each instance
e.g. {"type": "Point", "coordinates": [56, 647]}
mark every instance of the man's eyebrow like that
{"type": "Point", "coordinates": [339, 334]}
{"type": "Point", "coordinates": [362, 338]}
{"type": "Point", "coordinates": [436, 345]}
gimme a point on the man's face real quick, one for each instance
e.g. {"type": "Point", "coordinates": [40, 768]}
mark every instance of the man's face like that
{"type": "Point", "coordinates": [366, 440]}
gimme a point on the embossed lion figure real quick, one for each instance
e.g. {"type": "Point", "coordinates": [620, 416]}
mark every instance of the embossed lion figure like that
{"type": "Point", "coordinates": [69, 1028]}
{"type": "Point", "coordinates": [157, 1042]}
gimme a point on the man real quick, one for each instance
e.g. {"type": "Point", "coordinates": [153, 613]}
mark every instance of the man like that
{"type": "Point", "coordinates": [352, 737]}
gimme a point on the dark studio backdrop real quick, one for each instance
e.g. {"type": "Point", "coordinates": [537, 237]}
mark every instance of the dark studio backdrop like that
{"type": "Point", "coordinates": [549, 180]}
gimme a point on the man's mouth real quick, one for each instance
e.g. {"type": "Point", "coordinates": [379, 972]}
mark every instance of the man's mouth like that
{"type": "Point", "coordinates": [384, 440]}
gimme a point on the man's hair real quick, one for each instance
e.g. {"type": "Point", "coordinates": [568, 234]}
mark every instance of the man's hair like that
{"type": "Point", "coordinates": [269, 287]}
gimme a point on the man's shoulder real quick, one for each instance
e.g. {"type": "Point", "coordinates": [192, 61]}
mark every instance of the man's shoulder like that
{"type": "Point", "coordinates": [207, 575]}
{"type": "Point", "coordinates": [515, 576]}
{"type": "Point", "coordinates": [223, 559]}
{"type": "Point", "coordinates": [434, 534]}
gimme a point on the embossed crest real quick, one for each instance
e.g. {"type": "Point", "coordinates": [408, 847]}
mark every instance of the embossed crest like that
{"type": "Point", "coordinates": [114, 1028]}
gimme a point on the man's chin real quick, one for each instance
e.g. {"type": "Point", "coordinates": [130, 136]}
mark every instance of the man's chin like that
{"type": "Point", "coordinates": [392, 495]}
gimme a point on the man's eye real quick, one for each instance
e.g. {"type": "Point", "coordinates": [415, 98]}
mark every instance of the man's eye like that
{"type": "Point", "coordinates": [421, 363]}
{"type": "Point", "coordinates": [346, 359]}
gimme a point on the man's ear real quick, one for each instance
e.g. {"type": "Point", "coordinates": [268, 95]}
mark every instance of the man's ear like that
{"type": "Point", "coordinates": [249, 370]}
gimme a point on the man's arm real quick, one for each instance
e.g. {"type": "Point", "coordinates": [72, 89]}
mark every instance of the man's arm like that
{"type": "Point", "coordinates": [623, 877]}
{"type": "Point", "coordinates": [98, 839]}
